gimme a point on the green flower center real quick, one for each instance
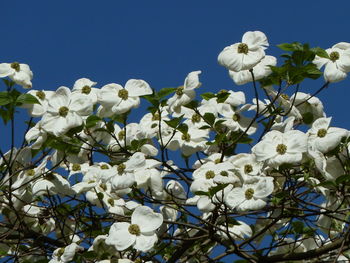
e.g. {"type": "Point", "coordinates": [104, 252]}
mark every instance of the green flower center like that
{"type": "Point", "coordinates": [76, 167]}
{"type": "Point", "coordinates": [30, 172]}
{"type": "Point", "coordinates": [218, 160]}
{"type": "Point", "coordinates": [236, 117]}
{"type": "Point", "coordinates": [186, 137]}
{"type": "Point", "coordinates": [134, 230]}
{"type": "Point", "coordinates": [123, 94]}
{"type": "Point", "coordinates": [104, 167]}
{"type": "Point", "coordinates": [248, 168]}
{"type": "Point", "coordinates": [155, 117]}
{"type": "Point", "coordinates": [224, 173]}
{"type": "Point", "coordinates": [334, 56]}
{"type": "Point", "coordinates": [121, 135]}
{"type": "Point", "coordinates": [196, 118]}
{"type": "Point", "coordinates": [242, 48]}
{"type": "Point", "coordinates": [86, 89]}
{"type": "Point", "coordinates": [63, 111]}
{"type": "Point", "coordinates": [210, 174]}
{"type": "Point", "coordinates": [40, 94]}
{"type": "Point", "coordinates": [16, 66]}
{"type": "Point", "coordinates": [179, 91]}
{"type": "Point", "coordinates": [249, 193]}
{"type": "Point", "coordinates": [121, 167]}
{"type": "Point", "coordinates": [281, 149]}
{"type": "Point", "coordinates": [321, 133]}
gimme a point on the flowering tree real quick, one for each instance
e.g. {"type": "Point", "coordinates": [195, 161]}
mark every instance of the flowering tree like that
{"type": "Point", "coordinates": [210, 180]}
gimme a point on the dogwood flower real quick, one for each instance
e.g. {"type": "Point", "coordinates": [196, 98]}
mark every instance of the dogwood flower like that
{"type": "Point", "coordinates": [277, 148]}
{"type": "Point", "coordinates": [65, 111]}
{"type": "Point", "coordinates": [19, 73]}
{"type": "Point", "coordinates": [244, 55]}
{"type": "Point", "coordinates": [338, 63]}
{"type": "Point", "coordinates": [140, 233]}
{"type": "Point", "coordinates": [261, 70]}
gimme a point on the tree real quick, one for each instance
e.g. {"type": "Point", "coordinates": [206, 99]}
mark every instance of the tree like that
{"type": "Point", "coordinates": [210, 180]}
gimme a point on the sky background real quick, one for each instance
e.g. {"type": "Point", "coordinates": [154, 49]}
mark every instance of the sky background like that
{"type": "Point", "coordinates": [162, 41]}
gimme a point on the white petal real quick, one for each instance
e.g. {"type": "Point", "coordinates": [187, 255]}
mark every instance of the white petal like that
{"type": "Point", "coordinates": [145, 243]}
{"type": "Point", "coordinates": [138, 87]}
{"type": "Point", "coordinates": [120, 237]}
{"type": "Point", "coordinates": [147, 219]}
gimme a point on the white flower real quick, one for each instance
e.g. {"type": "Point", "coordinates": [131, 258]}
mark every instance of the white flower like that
{"type": "Point", "coordinates": [260, 71]}
{"type": "Point", "coordinates": [19, 73]}
{"type": "Point", "coordinates": [65, 111]}
{"type": "Point", "coordinates": [338, 63]}
{"type": "Point", "coordinates": [323, 138]}
{"type": "Point", "coordinates": [43, 96]}
{"type": "Point", "coordinates": [140, 233]}
{"type": "Point", "coordinates": [245, 55]}
{"type": "Point", "coordinates": [84, 86]}
{"type": "Point", "coordinates": [116, 99]}
{"type": "Point", "coordinates": [250, 196]}
{"type": "Point", "coordinates": [184, 94]}
{"type": "Point", "coordinates": [277, 148]}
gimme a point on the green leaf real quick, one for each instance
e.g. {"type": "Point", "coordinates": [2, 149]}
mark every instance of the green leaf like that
{"type": "Point", "coordinates": [192, 105]}
{"type": "Point", "coordinates": [27, 99]}
{"type": "Point", "coordinates": [308, 118]}
{"type": "Point", "coordinates": [4, 98]}
{"type": "Point", "coordinates": [165, 92]}
{"type": "Point", "coordinates": [209, 118]}
{"type": "Point", "coordinates": [173, 123]}
{"type": "Point", "coordinates": [183, 128]}
{"type": "Point", "coordinates": [222, 96]}
{"type": "Point", "coordinates": [91, 121]}
{"type": "Point", "coordinates": [343, 178]}
{"type": "Point", "coordinates": [215, 189]}
{"type": "Point", "coordinates": [201, 193]}
{"type": "Point", "coordinates": [208, 95]}
{"type": "Point", "coordinates": [320, 52]}
{"type": "Point", "coordinates": [286, 47]}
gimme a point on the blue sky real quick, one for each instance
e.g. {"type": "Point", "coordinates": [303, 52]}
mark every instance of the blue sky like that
{"type": "Point", "coordinates": [161, 41]}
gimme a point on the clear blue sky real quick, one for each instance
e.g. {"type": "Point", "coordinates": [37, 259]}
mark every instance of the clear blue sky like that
{"type": "Point", "coordinates": [161, 41]}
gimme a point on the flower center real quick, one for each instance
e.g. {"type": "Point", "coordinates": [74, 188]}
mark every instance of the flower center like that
{"type": "Point", "coordinates": [103, 186]}
{"type": "Point", "coordinates": [40, 94]}
{"type": "Point", "coordinates": [281, 149]}
{"type": "Point", "coordinates": [196, 118]}
{"type": "Point", "coordinates": [218, 160]}
{"type": "Point", "coordinates": [210, 174]}
{"type": "Point", "coordinates": [30, 172]}
{"type": "Point", "coordinates": [110, 201]}
{"type": "Point", "coordinates": [86, 89]}
{"type": "Point", "coordinates": [236, 117]}
{"type": "Point", "coordinates": [15, 66]}
{"type": "Point", "coordinates": [179, 91]}
{"type": "Point", "coordinates": [334, 56]}
{"type": "Point", "coordinates": [121, 135]}
{"type": "Point", "coordinates": [248, 168]}
{"type": "Point", "coordinates": [63, 111]}
{"type": "Point", "coordinates": [104, 167]}
{"type": "Point", "coordinates": [134, 230]}
{"type": "Point", "coordinates": [76, 167]}
{"type": "Point", "coordinates": [186, 137]}
{"type": "Point", "coordinates": [155, 117]}
{"type": "Point", "coordinates": [249, 193]}
{"type": "Point", "coordinates": [321, 133]}
{"type": "Point", "coordinates": [242, 48]}
{"type": "Point", "coordinates": [123, 94]}
{"type": "Point", "coordinates": [121, 167]}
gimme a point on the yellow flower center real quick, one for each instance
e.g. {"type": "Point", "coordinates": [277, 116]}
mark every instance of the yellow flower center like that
{"type": "Point", "coordinates": [281, 149]}
{"type": "Point", "coordinates": [210, 174]}
{"type": "Point", "coordinates": [179, 91]}
{"type": "Point", "coordinates": [186, 137]}
{"type": "Point", "coordinates": [134, 230]}
{"type": "Point", "coordinates": [16, 66]}
{"type": "Point", "coordinates": [40, 94]}
{"type": "Point", "coordinates": [196, 118]}
{"type": "Point", "coordinates": [242, 48]}
{"type": "Point", "coordinates": [155, 117]}
{"type": "Point", "coordinates": [30, 172]}
{"type": "Point", "coordinates": [285, 96]}
{"type": "Point", "coordinates": [321, 133]}
{"type": "Point", "coordinates": [104, 167]}
{"type": "Point", "coordinates": [121, 135]}
{"type": "Point", "coordinates": [121, 167]}
{"type": "Point", "coordinates": [63, 111]}
{"type": "Point", "coordinates": [248, 168]}
{"type": "Point", "coordinates": [249, 193]}
{"type": "Point", "coordinates": [86, 89]}
{"type": "Point", "coordinates": [76, 167]}
{"type": "Point", "coordinates": [333, 56]}
{"type": "Point", "coordinates": [123, 94]}
{"type": "Point", "coordinates": [236, 117]}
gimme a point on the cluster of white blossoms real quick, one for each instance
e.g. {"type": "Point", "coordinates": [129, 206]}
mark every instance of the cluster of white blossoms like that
{"type": "Point", "coordinates": [124, 167]}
